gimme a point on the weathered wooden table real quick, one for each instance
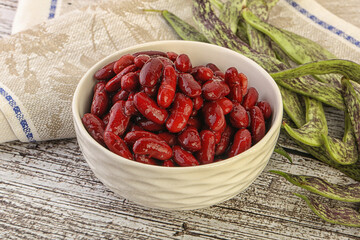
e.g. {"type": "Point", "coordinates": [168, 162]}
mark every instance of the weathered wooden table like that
{"type": "Point", "coordinates": [47, 191]}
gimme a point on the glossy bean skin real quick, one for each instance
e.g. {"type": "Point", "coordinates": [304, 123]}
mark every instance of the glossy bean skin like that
{"type": "Point", "coordinates": [265, 109]}
{"type": "Point", "coordinates": [226, 105]}
{"type": "Point", "coordinates": [100, 101]}
{"type": "Point", "coordinates": [149, 109]}
{"type": "Point", "coordinates": [234, 83]}
{"type": "Point", "coordinates": [257, 124]}
{"type": "Point", "coordinates": [219, 133]}
{"type": "Point", "coordinates": [130, 109]}
{"type": "Point", "coordinates": [95, 127]}
{"type": "Point", "coordinates": [214, 90]}
{"type": "Point", "coordinates": [183, 63]}
{"type": "Point", "coordinates": [123, 62]}
{"type": "Point", "coordinates": [168, 163]}
{"type": "Point", "coordinates": [243, 83]}
{"type": "Point", "coordinates": [241, 142]}
{"type": "Point", "coordinates": [214, 116]}
{"type": "Point", "coordinates": [172, 56]}
{"type": "Point", "coordinates": [224, 142]}
{"type": "Point", "coordinates": [203, 74]}
{"type": "Point", "coordinates": [213, 67]}
{"type": "Point", "coordinates": [198, 102]}
{"type": "Point", "coordinates": [130, 81]}
{"type": "Point", "coordinates": [106, 72]}
{"type": "Point", "coordinates": [153, 148]}
{"type": "Point", "coordinates": [120, 95]}
{"type": "Point", "coordinates": [169, 138]}
{"type": "Point", "coordinates": [117, 145]}
{"type": "Point", "coordinates": [149, 125]}
{"type": "Point", "coordinates": [114, 84]}
{"type": "Point", "coordinates": [194, 122]}
{"type": "Point", "coordinates": [183, 158]}
{"type": "Point", "coordinates": [167, 89]}
{"type": "Point", "coordinates": [181, 111]}
{"type": "Point", "coordinates": [150, 73]}
{"type": "Point", "coordinates": [189, 139]}
{"type": "Point", "coordinates": [188, 85]}
{"type": "Point", "coordinates": [151, 53]}
{"type": "Point", "coordinates": [165, 61]}
{"type": "Point", "coordinates": [207, 151]}
{"type": "Point", "coordinates": [140, 60]}
{"type": "Point", "coordinates": [239, 117]}
{"type": "Point", "coordinates": [131, 137]}
{"type": "Point", "coordinates": [118, 120]}
{"type": "Point", "coordinates": [251, 98]}
{"type": "Point", "coordinates": [145, 159]}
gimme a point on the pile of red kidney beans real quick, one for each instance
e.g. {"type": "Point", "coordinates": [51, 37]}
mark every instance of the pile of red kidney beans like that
{"type": "Point", "coordinates": [156, 108]}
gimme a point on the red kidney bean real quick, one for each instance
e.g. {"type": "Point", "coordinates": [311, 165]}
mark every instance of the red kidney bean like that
{"type": "Point", "coordinates": [257, 124]}
{"type": "Point", "coordinates": [225, 104]}
{"type": "Point", "coordinates": [198, 102]}
{"type": "Point", "coordinates": [131, 137]}
{"type": "Point", "coordinates": [233, 81]}
{"type": "Point", "coordinates": [100, 101]}
{"type": "Point", "coordinates": [149, 109]}
{"type": "Point", "coordinates": [188, 85]}
{"type": "Point", "coordinates": [213, 67]}
{"type": "Point", "coordinates": [105, 119]}
{"type": "Point", "coordinates": [189, 139]}
{"type": "Point", "coordinates": [153, 147]}
{"type": "Point", "coordinates": [214, 90]}
{"type": "Point", "coordinates": [168, 163]}
{"type": "Point", "coordinates": [123, 62]}
{"type": "Point", "coordinates": [167, 89]}
{"type": "Point", "coordinates": [265, 109]}
{"type": "Point", "coordinates": [120, 95]}
{"type": "Point", "coordinates": [149, 125]}
{"type": "Point", "coordinates": [172, 56]}
{"type": "Point", "coordinates": [243, 83]}
{"type": "Point", "coordinates": [207, 151]}
{"type": "Point", "coordinates": [140, 60]}
{"type": "Point", "coordinates": [165, 61]}
{"type": "Point", "coordinates": [130, 81]}
{"type": "Point", "coordinates": [133, 127]}
{"type": "Point", "coordinates": [118, 120]}
{"type": "Point", "coordinates": [239, 117]}
{"type": "Point", "coordinates": [180, 113]}
{"type": "Point", "coordinates": [114, 84]}
{"type": "Point", "coordinates": [203, 74]}
{"type": "Point", "coordinates": [151, 91]}
{"type": "Point", "coordinates": [106, 72]}
{"type": "Point", "coordinates": [171, 139]}
{"type": "Point", "coordinates": [183, 158]}
{"type": "Point", "coordinates": [250, 98]}
{"type": "Point", "coordinates": [183, 63]}
{"type": "Point", "coordinates": [219, 133]}
{"type": "Point", "coordinates": [213, 116]}
{"type": "Point", "coordinates": [145, 159]}
{"type": "Point", "coordinates": [220, 75]}
{"type": "Point", "coordinates": [117, 145]}
{"type": "Point", "coordinates": [151, 72]}
{"type": "Point", "coordinates": [241, 142]}
{"type": "Point", "coordinates": [224, 143]}
{"type": "Point", "coordinates": [194, 112]}
{"type": "Point", "coordinates": [151, 53]}
{"type": "Point", "coordinates": [130, 109]}
{"type": "Point", "coordinates": [95, 127]}
{"type": "Point", "coordinates": [195, 122]}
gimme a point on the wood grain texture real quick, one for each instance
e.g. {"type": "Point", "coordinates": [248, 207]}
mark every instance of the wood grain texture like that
{"type": "Point", "coordinates": [47, 191]}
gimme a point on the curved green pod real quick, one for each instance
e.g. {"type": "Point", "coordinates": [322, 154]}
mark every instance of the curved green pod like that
{"type": "Point", "coordinates": [345, 193]}
{"type": "Point", "coordinates": [342, 151]}
{"type": "Point", "coordinates": [316, 125]}
{"type": "Point", "coordinates": [230, 13]}
{"type": "Point", "coordinates": [352, 101]}
{"type": "Point", "coordinates": [280, 150]}
{"type": "Point", "coordinates": [346, 68]}
{"type": "Point", "coordinates": [340, 215]}
{"type": "Point", "coordinates": [300, 49]}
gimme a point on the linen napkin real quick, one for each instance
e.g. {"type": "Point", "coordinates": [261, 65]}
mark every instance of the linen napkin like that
{"type": "Point", "coordinates": [41, 66]}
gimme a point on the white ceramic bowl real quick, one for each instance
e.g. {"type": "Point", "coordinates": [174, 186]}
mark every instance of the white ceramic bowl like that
{"type": "Point", "coordinates": [181, 188]}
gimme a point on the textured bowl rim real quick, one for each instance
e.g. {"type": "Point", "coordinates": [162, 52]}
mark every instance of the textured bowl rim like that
{"type": "Point", "coordinates": [275, 126]}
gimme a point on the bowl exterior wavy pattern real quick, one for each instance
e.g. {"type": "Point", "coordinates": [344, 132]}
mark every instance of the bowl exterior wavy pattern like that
{"type": "Point", "coordinates": [181, 188]}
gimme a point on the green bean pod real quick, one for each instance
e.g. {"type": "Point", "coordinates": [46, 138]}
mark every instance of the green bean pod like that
{"type": "Point", "coordinates": [311, 132]}
{"type": "Point", "coordinates": [346, 68]}
{"type": "Point", "coordinates": [345, 193]}
{"type": "Point", "coordinates": [352, 101]}
{"type": "Point", "coordinates": [230, 13]}
{"type": "Point", "coordinates": [342, 151]}
{"type": "Point", "coordinates": [280, 150]}
{"type": "Point", "coordinates": [182, 28]}
{"type": "Point", "coordinates": [340, 215]}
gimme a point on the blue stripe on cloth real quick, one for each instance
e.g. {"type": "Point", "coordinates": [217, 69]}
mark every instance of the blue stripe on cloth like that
{"type": "Point", "coordinates": [19, 115]}
{"type": "Point", "coordinates": [52, 9]}
{"type": "Point", "coordinates": [324, 24]}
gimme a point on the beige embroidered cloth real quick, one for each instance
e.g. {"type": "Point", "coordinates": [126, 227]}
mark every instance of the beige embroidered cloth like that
{"type": "Point", "coordinates": [40, 67]}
